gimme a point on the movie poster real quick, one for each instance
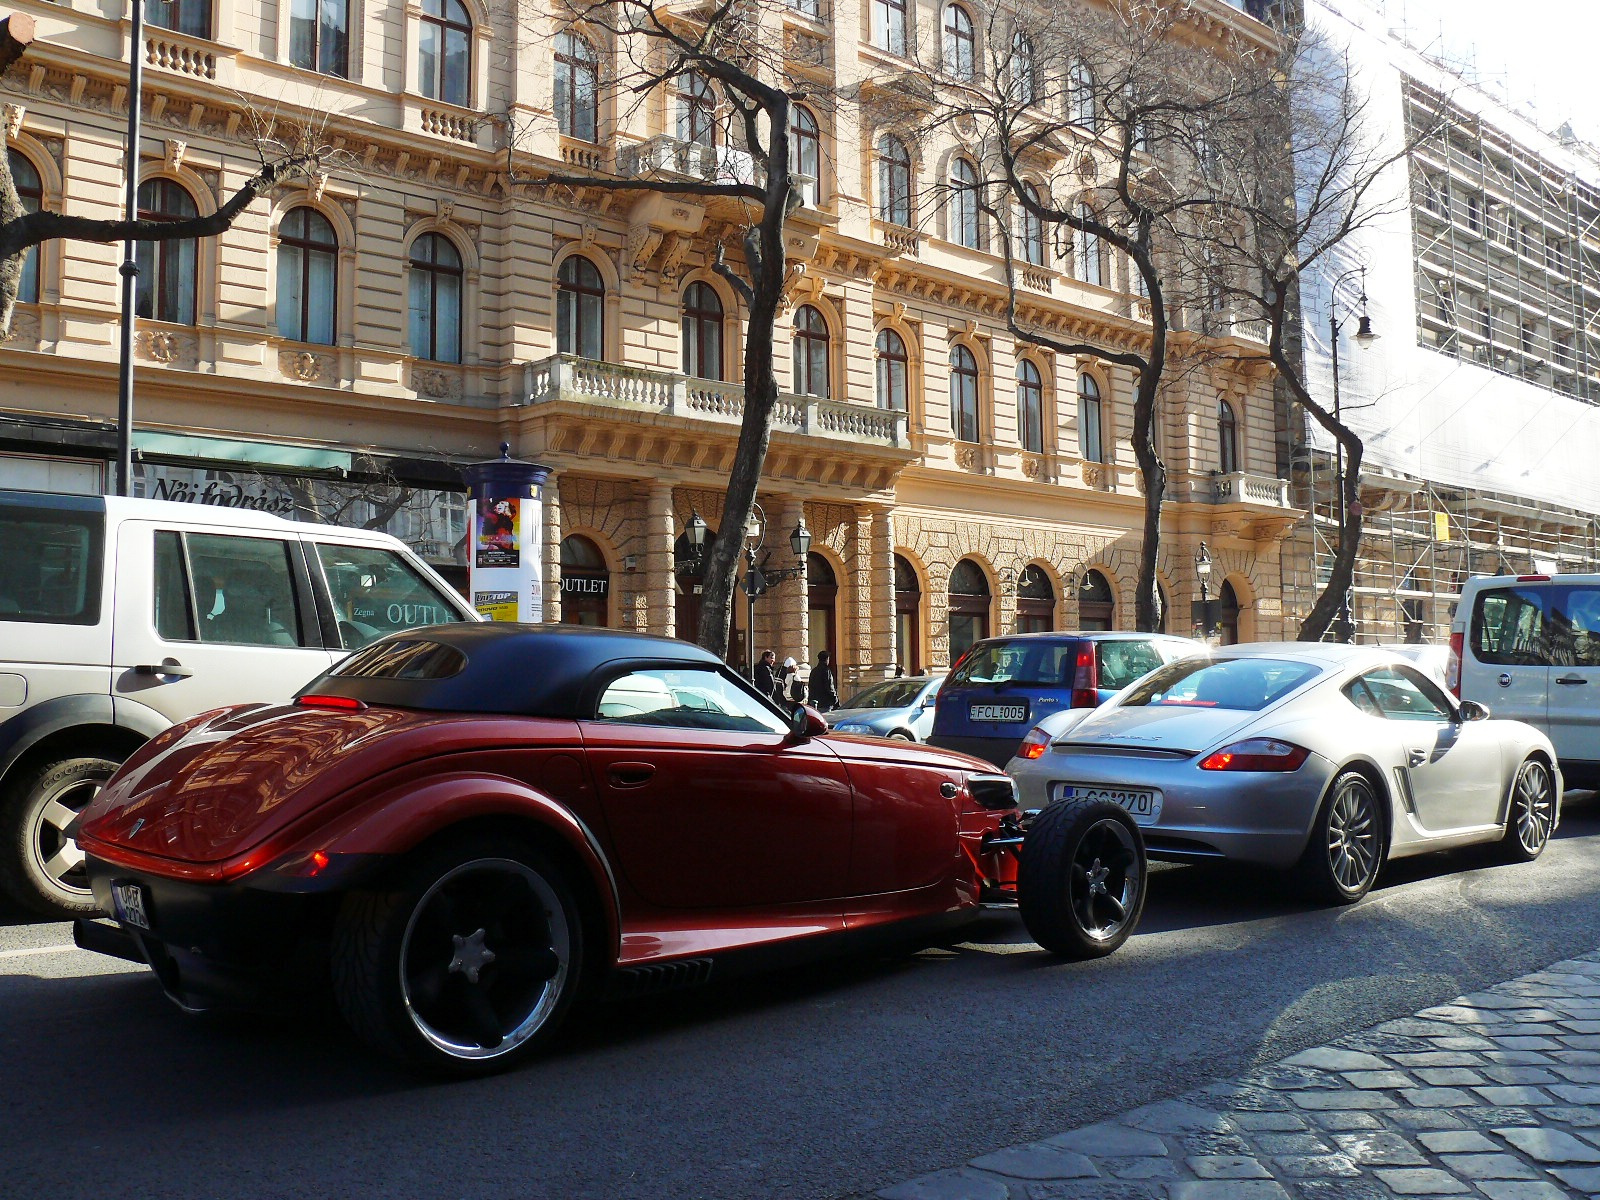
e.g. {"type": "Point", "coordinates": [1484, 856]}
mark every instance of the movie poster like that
{"type": "Point", "coordinates": [499, 533]}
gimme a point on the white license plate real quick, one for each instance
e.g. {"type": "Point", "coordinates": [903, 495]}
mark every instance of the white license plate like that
{"type": "Point", "coordinates": [1143, 804]}
{"type": "Point", "coordinates": [127, 899]}
{"type": "Point", "coordinates": [999, 712]}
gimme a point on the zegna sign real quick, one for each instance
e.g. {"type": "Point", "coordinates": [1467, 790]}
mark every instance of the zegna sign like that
{"type": "Point", "coordinates": [222, 495]}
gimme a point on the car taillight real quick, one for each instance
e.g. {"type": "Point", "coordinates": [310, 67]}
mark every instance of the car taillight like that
{"type": "Point", "coordinates": [1452, 670]}
{"type": "Point", "coordinates": [1034, 744]}
{"type": "Point", "coordinates": [1084, 692]}
{"type": "Point", "coordinates": [338, 703]}
{"type": "Point", "coordinates": [1257, 754]}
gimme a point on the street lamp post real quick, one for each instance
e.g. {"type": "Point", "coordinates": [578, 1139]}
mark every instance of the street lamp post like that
{"type": "Point", "coordinates": [1344, 626]}
{"type": "Point", "coordinates": [758, 577]}
{"type": "Point", "coordinates": [1202, 568]}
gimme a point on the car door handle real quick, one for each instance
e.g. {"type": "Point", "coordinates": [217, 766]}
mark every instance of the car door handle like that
{"type": "Point", "coordinates": [630, 774]}
{"type": "Point", "coordinates": [1415, 757]}
{"type": "Point", "coordinates": [1570, 679]}
{"type": "Point", "coordinates": [171, 668]}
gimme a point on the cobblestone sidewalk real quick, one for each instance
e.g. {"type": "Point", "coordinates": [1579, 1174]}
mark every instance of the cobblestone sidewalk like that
{"type": "Point", "coordinates": [1496, 1095]}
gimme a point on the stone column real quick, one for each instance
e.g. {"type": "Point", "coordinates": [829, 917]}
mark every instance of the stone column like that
{"type": "Point", "coordinates": [552, 548]}
{"type": "Point", "coordinates": [789, 600]}
{"type": "Point", "coordinates": [660, 602]}
{"type": "Point", "coordinates": [880, 591]}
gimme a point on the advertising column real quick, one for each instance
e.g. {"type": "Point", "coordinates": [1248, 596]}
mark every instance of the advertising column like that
{"type": "Point", "coordinates": [505, 532]}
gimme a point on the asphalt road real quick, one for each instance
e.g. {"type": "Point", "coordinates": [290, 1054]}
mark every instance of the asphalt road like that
{"type": "Point", "coordinates": [830, 1082]}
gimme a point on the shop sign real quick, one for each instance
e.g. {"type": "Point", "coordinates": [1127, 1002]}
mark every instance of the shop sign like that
{"type": "Point", "coordinates": [223, 495]}
{"type": "Point", "coordinates": [598, 586]}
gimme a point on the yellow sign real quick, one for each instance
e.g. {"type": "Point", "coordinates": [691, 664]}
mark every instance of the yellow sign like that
{"type": "Point", "coordinates": [1441, 527]}
{"type": "Point", "coordinates": [497, 606]}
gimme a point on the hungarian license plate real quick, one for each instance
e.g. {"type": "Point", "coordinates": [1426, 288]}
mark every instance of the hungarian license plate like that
{"type": "Point", "coordinates": [1143, 804]}
{"type": "Point", "coordinates": [127, 901]}
{"type": "Point", "coordinates": [998, 712]}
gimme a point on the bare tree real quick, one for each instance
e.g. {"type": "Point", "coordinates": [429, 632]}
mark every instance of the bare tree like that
{"type": "Point", "coordinates": [728, 58]}
{"type": "Point", "coordinates": [286, 149]}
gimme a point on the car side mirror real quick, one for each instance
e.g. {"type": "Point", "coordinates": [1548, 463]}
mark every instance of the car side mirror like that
{"type": "Point", "coordinates": [930, 701]}
{"type": "Point", "coordinates": [806, 722]}
{"type": "Point", "coordinates": [1471, 710]}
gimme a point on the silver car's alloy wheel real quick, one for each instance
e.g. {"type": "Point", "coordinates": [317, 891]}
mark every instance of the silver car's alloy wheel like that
{"type": "Point", "coordinates": [1352, 845]}
{"type": "Point", "coordinates": [485, 958]}
{"type": "Point", "coordinates": [1105, 880]}
{"type": "Point", "coordinates": [1533, 810]}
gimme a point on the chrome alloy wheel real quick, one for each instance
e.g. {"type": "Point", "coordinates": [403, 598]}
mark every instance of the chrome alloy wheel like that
{"type": "Point", "coordinates": [56, 856]}
{"type": "Point", "coordinates": [1533, 807]}
{"type": "Point", "coordinates": [485, 958]}
{"type": "Point", "coordinates": [1105, 879]}
{"type": "Point", "coordinates": [1353, 835]}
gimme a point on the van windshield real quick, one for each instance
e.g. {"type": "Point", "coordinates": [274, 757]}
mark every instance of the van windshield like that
{"type": "Point", "coordinates": [1035, 661]}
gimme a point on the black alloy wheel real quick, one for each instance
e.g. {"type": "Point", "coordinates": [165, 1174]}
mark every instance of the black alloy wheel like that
{"type": "Point", "coordinates": [1082, 878]}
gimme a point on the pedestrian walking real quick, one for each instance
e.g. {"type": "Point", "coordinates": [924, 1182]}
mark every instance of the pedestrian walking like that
{"type": "Point", "coordinates": [765, 678]}
{"type": "Point", "coordinates": [790, 689]}
{"type": "Point", "coordinates": [820, 690]}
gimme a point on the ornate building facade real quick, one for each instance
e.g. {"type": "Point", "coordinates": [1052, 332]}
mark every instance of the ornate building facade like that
{"type": "Point", "coordinates": [358, 335]}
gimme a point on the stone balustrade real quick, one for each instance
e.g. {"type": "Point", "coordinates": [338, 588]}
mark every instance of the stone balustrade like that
{"type": "Point", "coordinates": [1245, 487]}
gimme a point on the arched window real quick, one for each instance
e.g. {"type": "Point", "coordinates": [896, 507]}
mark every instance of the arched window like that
{"type": "Point", "coordinates": [1080, 85]}
{"type": "Point", "coordinates": [1163, 607]}
{"type": "Point", "coordinates": [697, 108]}
{"type": "Point", "coordinates": [577, 88]}
{"type": "Point", "coordinates": [436, 291]}
{"type": "Point", "coordinates": [805, 153]}
{"type": "Point", "coordinates": [893, 362]}
{"type": "Point", "coordinates": [907, 617]}
{"type": "Point", "coordinates": [889, 25]}
{"type": "Point", "coordinates": [580, 309]}
{"type": "Point", "coordinates": [822, 608]}
{"type": "Point", "coordinates": [1022, 79]}
{"type": "Point", "coordinates": [319, 36]}
{"type": "Point", "coordinates": [1036, 601]}
{"type": "Point", "coordinates": [969, 607]}
{"type": "Point", "coordinates": [966, 227]}
{"type": "Point", "coordinates": [30, 190]}
{"type": "Point", "coordinates": [308, 276]}
{"type": "Point", "coordinates": [1090, 267]}
{"type": "Point", "coordinates": [702, 331]}
{"type": "Point", "coordinates": [1227, 438]}
{"type": "Point", "coordinates": [1032, 228]}
{"type": "Point", "coordinates": [810, 352]}
{"type": "Point", "coordinates": [1096, 603]}
{"type": "Point", "coordinates": [1090, 445]}
{"type": "Point", "coordinates": [960, 43]}
{"type": "Point", "coordinates": [894, 181]}
{"type": "Point", "coordinates": [181, 16]}
{"type": "Point", "coordinates": [1030, 407]}
{"type": "Point", "coordinates": [963, 394]}
{"type": "Point", "coordinates": [444, 51]}
{"type": "Point", "coordinates": [1227, 615]}
{"type": "Point", "coordinates": [585, 582]}
{"type": "Point", "coordinates": [167, 270]}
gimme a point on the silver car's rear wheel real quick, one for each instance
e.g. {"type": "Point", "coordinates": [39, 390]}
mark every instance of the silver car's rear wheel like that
{"type": "Point", "coordinates": [1532, 817]}
{"type": "Point", "coordinates": [1346, 849]}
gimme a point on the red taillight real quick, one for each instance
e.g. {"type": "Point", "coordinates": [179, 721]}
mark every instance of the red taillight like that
{"type": "Point", "coordinates": [338, 703]}
{"type": "Point", "coordinates": [1257, 754]}
{"type": "Point", "coordinates": [1452, 670]}
{"type": "Point", "coordinates": [1533, 579]}
{"type": "Point", "coordinates": [1034, 744]}
{"type": "Point", "coordinates": [1084, 692]}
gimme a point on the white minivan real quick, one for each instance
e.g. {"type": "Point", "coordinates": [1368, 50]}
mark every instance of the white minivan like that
{"type": "Point", "coordinates": [119, 618]}
{"type": "Point", "coordinates": [1528, 648]}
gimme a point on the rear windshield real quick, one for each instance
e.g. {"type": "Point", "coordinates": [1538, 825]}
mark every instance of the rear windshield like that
{"type": "Point", "coordinates": [892, 693]}
{"type": "Point", "coordinates": [410, 659]}
{"type": "Point", "coordinates": [1036, 661]}
{"type": "Point", "coordinates": [52, 565]}
{"type": "Point", "coordinates": [1247, 684]}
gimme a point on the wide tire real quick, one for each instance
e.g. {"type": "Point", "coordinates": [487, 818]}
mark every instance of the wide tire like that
{"type": "Point", "coordinates": [1342, 858]}
{"type": "Point", "coordinates": [1532, 816]}
{"type": "Point", "coordinates": [1082, 879]}
{"type": "Point", "coordinates": [40, 867]}
{"type": "Point", "coordinates": [469, 965]}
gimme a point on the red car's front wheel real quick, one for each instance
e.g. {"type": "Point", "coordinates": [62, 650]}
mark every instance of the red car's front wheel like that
{"type": "Point", "coordinates": [468, 966]}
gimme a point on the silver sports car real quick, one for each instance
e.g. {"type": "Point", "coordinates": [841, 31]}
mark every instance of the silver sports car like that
{"type": "Point", "coordinates": [1324, 759]}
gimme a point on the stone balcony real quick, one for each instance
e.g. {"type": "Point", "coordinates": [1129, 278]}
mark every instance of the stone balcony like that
{"type": "Point", "coordinates": [1252, 506]}
{"type": "Point", "coordinates": [1245, 487]}
{"type": "Point", "coordinates": [664, 394]}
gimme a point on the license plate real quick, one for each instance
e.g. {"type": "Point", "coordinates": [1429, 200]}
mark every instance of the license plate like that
{"type": "Point", "coordinates": [1143, 804]}
{"type": "Point", "coordinates": [998, 712]}
{"type": "Point", "coordinates": [127, 899]}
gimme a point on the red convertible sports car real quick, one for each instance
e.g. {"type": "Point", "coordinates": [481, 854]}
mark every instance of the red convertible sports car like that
{"type": "Point", "coordinates": [467, 828]}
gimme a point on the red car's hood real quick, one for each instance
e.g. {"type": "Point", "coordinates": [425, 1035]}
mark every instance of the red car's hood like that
{"type": "Point", "coordinates": [222, 784]}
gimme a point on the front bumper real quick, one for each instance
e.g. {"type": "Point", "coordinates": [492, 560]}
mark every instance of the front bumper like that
{"type": "Point", "coordinates": [1261, 818]}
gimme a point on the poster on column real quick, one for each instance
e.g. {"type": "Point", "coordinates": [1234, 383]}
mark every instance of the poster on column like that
{"type": "Point", "coordinates": [507, 544]}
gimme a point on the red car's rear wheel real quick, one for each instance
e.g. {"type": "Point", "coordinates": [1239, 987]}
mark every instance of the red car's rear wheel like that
{"type": "Point", "coordinates": [1081, 882]}
{"type": "Point", "coordinates": [468, 966]}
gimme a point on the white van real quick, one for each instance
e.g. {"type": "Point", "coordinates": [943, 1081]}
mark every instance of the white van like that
{"type": "Point", "coordinates": [119, 618]}
{"type": "Point", "coordinates": [1528, 648]}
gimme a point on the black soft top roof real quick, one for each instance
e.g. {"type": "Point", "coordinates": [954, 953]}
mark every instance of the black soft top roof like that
{"type": "Point", "coordinates": [504, 667]}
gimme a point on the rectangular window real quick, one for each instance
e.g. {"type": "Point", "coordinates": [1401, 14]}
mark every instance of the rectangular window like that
{"type": "Point", "coordinates": [319, 36]}
{"type": "Point", "coordinates": [1089, 444]}
{"type": "Point", "coordinates": [52, 565]}
{"type": "Point", "coordinates": [889, 25]}
{"type": "Point", "coordinates": [192, 17]}
{"type": "Point", "coordinates": [244, 590]}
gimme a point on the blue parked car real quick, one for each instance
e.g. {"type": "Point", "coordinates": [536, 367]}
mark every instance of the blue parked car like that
{"type": "Point", "coordinates": [896, 708]}
{"type": "Point", "coordinates": [1001, 687]}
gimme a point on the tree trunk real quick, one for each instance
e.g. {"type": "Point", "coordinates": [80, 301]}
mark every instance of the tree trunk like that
{"type": "Point", "coordinates": [1146, 604]}
{"type": "Point", "coordinates": [1331, 601]}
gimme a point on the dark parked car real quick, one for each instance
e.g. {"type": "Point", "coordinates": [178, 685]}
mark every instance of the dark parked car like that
{"type": "Point", "coordinates": [471, 827]}
{"type": "Point", "coordinates": [1001, 687]}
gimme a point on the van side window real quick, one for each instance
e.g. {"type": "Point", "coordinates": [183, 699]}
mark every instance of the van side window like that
{"type": "Point", "coordinates": [52, 565]}
{"type": "Point", "coordinates": [375, 592]}
{"type": "Point", "coordinates": [1575, 626]}
{"type": "Point", "coordinates": [1508, 628]}
{"type": "Point", "coordinates": [174, 603]}
{"type": "Point", "coordinates": [242, 588]}
{"type": "Point", "coordinates": [1121, 662]}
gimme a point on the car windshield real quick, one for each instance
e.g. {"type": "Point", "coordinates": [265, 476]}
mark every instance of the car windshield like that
{"type": "Point", "coordinates": [1036, 661]}
{"type": "Point", "coordinates": [1247, 684]}
{"type": "Point", "coordinates": [891, 693]}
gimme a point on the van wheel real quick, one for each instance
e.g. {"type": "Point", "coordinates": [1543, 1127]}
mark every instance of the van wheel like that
{"type": "Point", "coordinates": [41, 867]}
{"type": "Point", "coordinates": [1532, 816]}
